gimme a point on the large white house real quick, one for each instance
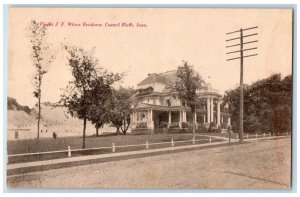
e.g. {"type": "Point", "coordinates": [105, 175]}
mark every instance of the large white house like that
{"type": "Point", "coordinates": [156, 108]}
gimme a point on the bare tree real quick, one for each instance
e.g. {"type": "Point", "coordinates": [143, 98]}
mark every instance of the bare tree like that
{"type": "Point", "coordinates": [42, 57]}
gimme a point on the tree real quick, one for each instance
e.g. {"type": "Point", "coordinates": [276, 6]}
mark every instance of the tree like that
{"type": "Point", "coordinates": [121, 109]}
{"type": "Point", "coordinates": [101, 95]}
{"type": "Point", "coordinates": [267, 105]}
{"type": "Point", "coordinates": [42, 57]}
{"type": "Point", "coordinates": [189, 81]}
{"type": "Point", "coordinates": [81, 93]}
{"type": "Point", "coordinates": [12, 104]}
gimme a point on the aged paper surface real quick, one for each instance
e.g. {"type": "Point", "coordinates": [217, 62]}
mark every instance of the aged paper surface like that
{"type": "Point", "coordinates": [148, 45]}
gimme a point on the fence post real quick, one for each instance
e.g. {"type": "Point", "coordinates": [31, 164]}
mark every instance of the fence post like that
{"type": "Point", "coordinates": [256, 135]}
{"type": "Point", "coordinates": [172, 142]}
{"type": "Point", "coordinates": [287, 133]}
{"type": "Point", "coordinates": [193, 140]}
{"type": "Point", "coordinates": [209, 139]}
{"type": "Point", "coordinates": [113, 147]}
{"type": "Point", "coordinates": [264, 135]}
{"type": "Point", "coordinates": [147, 146]}
{"type": "Point", "coordinates": [69, 151]}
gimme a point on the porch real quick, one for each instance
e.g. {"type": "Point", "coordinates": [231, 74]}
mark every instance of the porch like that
{"type": "Point", "coordinates": [174, 118]}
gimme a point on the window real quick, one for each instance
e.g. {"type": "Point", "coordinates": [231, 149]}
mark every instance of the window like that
{"type": "Point", "coordinates": [168, 102]}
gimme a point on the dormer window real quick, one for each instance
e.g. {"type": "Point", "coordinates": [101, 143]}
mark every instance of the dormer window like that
{"type": "Point", "coordinates": [168, 102]}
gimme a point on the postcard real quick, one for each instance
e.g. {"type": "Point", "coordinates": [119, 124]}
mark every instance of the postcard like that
{"type": "Point", "coordinates": [151, 98]}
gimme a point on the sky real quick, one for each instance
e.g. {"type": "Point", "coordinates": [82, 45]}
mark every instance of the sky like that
{"type": "Point", "coordinates": [165, 37]}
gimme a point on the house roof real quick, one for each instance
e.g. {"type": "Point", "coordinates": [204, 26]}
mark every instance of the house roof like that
{"type": "Point", "coordinates": [169, 78]}
{"type": "Point", "coordinates": [164, 78]}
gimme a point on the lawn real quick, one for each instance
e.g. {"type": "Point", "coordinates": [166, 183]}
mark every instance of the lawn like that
{"type": "Point", "coordinates": [50, 144]}
{"type": "Point", "coordinates": [30, 146]}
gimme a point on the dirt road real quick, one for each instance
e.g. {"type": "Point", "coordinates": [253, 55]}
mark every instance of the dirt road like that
{"type": "Point", "coordinates": [261, 164]}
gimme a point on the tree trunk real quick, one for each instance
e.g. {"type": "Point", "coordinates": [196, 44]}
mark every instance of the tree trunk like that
{"type": "Point", "coordinates": [118, 130]}
{"type": "Point", "coordinates": [194, 124]}
{"type": "Point", "coordinates": [39, 116]}
{"type": "Point", "coordinates": [126, 125]}
{"type": "Point", "coordinates": [39, 110]}
{"type": "Point", "coordinates": [83, 137]}
{"type": "Point", "coordinates": [97, 131]}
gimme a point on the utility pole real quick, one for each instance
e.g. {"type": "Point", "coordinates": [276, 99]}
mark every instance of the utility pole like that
{"type": "Point", "coordinates": [241, 57]}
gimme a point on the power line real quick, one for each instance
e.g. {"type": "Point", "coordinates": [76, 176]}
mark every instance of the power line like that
{"type": "Point", "coordinates": [243, 50]}
{"type": "Point", "coordinates": [241, 58]}
{"type": "Point", "coordinates": [242, 43]}
{"type": "Point", "coordinates": [242, 30]}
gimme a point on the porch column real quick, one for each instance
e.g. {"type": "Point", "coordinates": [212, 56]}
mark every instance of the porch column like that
{"type": "Point", "coordinates": [180, 118]}
{"type": "Point", "coordinates": [229, 122]}
{"type": "Point", "coordinates": [204, 119]}
{"type": "Point", "coordinates": [134, 116]}
{"type": "Point", "coordinates": [208, 109]}
{"type": "Point", "coordinates": [218, 113]}
{"type": "Point", "coordinates": [212, 110]}
{"type": "Point", "coordinates": [169, 121]}
{"type": "Point", "coordinates": [184, 116]}
{"type": "Point", "coordinates": [150, 123]}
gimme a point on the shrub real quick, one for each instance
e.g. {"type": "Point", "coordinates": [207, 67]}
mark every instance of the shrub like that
{"type": "Point", "coordinates": [141, 125]}
{"type": "Point", "coordinates": [184, 125]}
{"type": "Point", "coordinates": [218, 130]}
{"type": "Point", "coordinates": [190, 125]}
{"type": "Point", "coordinates": [159, 131]}
{"type": "Point", "coordinates": [212, 127]}
{"type": "Point", "coordinates": [174, 125]}
{"type": "Point", "coordinates": [141, 131]}
{"type": "Point", "coordinates": [223, 125]}
{"type": "Point", "coordinates": [201, 126]}
{"type": "Point", "coordinates": [163, 125]}
{"type": "Point", "coordinates": [177, 130]}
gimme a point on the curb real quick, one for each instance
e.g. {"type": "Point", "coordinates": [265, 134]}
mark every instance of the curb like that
{"type": "Point", "coordinates": [29, 167]}
{"type": "Point", "coordinates": [38, 166]}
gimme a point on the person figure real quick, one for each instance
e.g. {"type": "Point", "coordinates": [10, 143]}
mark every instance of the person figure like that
{"type": "Point", "coordinates": [229, 130]}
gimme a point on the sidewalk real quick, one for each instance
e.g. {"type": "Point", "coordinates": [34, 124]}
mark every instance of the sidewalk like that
{"type": "Point", "coordinates": [21, 168]}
